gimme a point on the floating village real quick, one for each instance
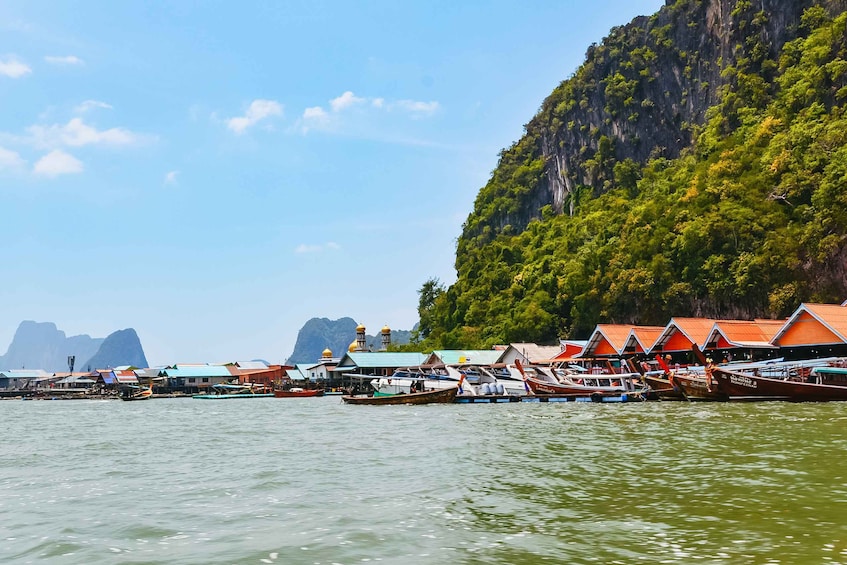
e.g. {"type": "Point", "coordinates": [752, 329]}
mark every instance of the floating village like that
{"type": "Point", "coordinates": [802, 358]}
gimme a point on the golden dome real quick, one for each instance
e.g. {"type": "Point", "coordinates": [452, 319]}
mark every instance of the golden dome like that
{"type": "Point", "coordinates": [327, 352]}
{"type": "Point", "coordinates": [360, 328]}
{"type": "Point", "coordinates": [386, 329]}
{"type": "Point", "coordinates": [353, 346]}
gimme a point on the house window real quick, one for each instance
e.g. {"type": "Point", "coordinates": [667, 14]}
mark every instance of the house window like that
{"type": "Point", "coordinates": [205, 379]}
{"type": "Point", "coordinates": [191, 380]}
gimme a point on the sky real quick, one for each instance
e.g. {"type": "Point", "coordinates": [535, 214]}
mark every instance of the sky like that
{"type": "Point", "coordinates": [214, 174]}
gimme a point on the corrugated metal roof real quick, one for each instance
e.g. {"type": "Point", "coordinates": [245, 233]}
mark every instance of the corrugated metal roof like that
{"type": "Point", "coordinates": [147, 373]}
{"type": "Point", "coordinates": [25, 373]}
{"type": "Point", "coordinates": [252, 365]}
{"type": "Point", "coordinates": [296, 374]}
{"type": "Point", "coordinates": [387, 359]}
{"type": "Point", "coordinates": [536, 353]}
{"type": "Point", "coordinates": [470, 356]}
{"type": "Point", "coordinates": [198, 371]}
{"type": "Point", "coordinates": [75, 380]}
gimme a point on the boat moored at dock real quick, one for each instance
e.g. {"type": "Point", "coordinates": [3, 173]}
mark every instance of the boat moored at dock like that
{"type": "Point", "coordinates": [227, 391]}
{"type": "Point", "coordinates": [825, 383]}
{"type": "Point", "coordinates": [561, 383]}
{"type": "Point", "coordinates": [136, 392]}
{"type": "Point", "coordinates": [439, 396]}
{"type": "Point", "coordinates": [298, 392]}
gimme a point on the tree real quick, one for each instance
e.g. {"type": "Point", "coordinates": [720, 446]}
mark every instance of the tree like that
{"type": "Point", "coordinates": [429, 293]}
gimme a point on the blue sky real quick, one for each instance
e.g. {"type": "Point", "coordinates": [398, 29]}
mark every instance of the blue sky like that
{"type": "Point", "coordinates": [214, 174]}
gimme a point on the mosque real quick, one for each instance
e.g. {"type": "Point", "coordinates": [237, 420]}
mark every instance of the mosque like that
{"type": "Point", "coordinates": [359, 344]}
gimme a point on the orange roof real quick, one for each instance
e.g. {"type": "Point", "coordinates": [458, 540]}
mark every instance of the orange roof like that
{"type": "Point", "coordinates": [681, 333]}
{"type": "Point", "coordinates": [814, 324]}
{"type": "Point", "coordinates": [642, 338]}
{"type": "Point", "coordinates": [607, 340]}
{"type": "Point", "coordinates": [728, 334]}
{"type": "Point", "coordinates": [617, 339]}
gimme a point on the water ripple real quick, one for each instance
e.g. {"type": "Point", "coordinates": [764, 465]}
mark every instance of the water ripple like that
{"type": "Point", "coordinates": [269, 481]}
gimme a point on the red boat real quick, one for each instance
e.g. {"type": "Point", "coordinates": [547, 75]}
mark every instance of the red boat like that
{"type": "Point", "coordinates": [298, 392]}
{"type": "Point", "coordinates": [822, 384]}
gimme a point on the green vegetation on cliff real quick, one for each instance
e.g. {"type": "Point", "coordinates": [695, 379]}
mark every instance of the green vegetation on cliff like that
{"type": "Point", "coordinates": [745, 217]}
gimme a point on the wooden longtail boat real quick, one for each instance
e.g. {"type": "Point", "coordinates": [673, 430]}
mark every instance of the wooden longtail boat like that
{"type": "Point", "coordinates": [226, 391]}
{"type": "Point", "coordinates": [823, 384]}
{"type": "Point", "coordinates": [592, 386]}
{"type": "Point", "coordinates": [663, 387]}
{"type": "Point", "coordinates": [298, 392]}
{"type": "Point", "coordinates": [661, 384]}
{"type": "Point", "coordinates": [697, 388]}
{"type": "Point", "coordinates": [136, 392]}
{"type": "Point", "coordinates": [442, 396]}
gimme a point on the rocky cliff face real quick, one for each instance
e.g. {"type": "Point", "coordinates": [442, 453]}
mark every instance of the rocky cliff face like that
{"type": "Point", "coordinates": [43, 346]}
{"type": "Point", "coordinates": [641, 94]}
{"type": "Point", "coordinates": [118, 349]}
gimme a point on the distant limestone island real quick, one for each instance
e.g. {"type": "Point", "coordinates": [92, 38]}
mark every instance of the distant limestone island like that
{"type": "Point", "coordinates": [41, 345]}
{"type": "Point", "coordinates": [336, 335]}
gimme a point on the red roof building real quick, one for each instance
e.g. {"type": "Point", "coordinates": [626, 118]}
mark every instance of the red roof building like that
{"type": "Point", "coordinates": [681, 334]}
{"type": "Point", "coordinates": [814, 329]}
{"type": "Point", "coordinates": [607, 340]}
{"type": "Point", "coordinates": [641, 339]}
{"type": "Point", "coordinates": [742, 338]}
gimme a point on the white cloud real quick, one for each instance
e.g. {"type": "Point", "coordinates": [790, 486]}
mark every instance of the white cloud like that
{"type": "Point", "coordinates": [76, 134]}
{"type": "Point", "coordinates": [91, 104]}
{"type": "Point", "coordinates": [10, 159]}
{"type": "Point", "coordinates": [367, 119]}
{"type": "Point", "coordinates": [259, 110]}
{"type": "Point", "coordinates": [56, 163]}
{"type": "Point", "coordinates": [170, 177]}
{"type": "Point", "coordinates": [418, 108]}
{"type": "Point", "coordinates": [314, 117]}
{"type": "Point", "coordinates": [314, 113]}
{"type": "Point", "coordinates": [319, 248]}
{"type": "Point", "coordinates": [64, 60]}
{"type": "Point", "coordinates": [345, 101]}
{"type": "Point", "coordinates": [13, 68]}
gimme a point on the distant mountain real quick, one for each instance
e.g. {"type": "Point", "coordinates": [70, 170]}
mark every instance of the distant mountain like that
{"type": "Point", "coordinates": [40, 345]}
{"type": "Point", "coordinates": [119, 348]}
{"type": "Point", "coordinates": [43, 346]}
{"type": "Point", "coordinates": [320, 333]}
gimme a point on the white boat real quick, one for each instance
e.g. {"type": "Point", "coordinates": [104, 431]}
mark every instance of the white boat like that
{"type": "Point", "coordinates": [476, 380]}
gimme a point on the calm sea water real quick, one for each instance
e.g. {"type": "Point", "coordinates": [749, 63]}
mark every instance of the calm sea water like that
{"type": "Point", "coordinates": [315, 481]}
